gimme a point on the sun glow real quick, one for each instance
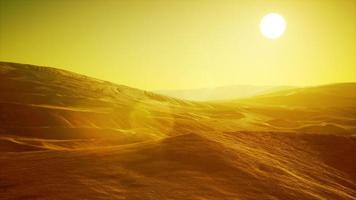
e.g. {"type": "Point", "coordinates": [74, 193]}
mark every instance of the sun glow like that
{"type": "Point", "coordinates": [160, 45]}
{"type": "Point", "coordinates": [273, 25]}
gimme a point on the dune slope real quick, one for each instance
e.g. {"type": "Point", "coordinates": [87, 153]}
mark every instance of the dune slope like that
{"type": "Point", "coordinates": [67, 136]}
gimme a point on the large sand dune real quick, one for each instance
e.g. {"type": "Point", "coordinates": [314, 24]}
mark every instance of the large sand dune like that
{"type": "Point", "coordinates": [68, 136]}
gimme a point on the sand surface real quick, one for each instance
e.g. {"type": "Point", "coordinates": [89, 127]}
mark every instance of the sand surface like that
{"type": "Point", "coordinates": [68, 136]}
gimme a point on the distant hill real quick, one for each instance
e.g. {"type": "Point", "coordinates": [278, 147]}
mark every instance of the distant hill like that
{"type": "Point", "coordinates": [221, 93]}
{"type": "Point", "coordinates": [334, 95]}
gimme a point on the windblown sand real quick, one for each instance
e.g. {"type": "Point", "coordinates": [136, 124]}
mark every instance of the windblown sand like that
{"type": "Point", "coordinates": [68, 136]}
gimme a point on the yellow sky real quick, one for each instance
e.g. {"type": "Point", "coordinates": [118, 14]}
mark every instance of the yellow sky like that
{"type": "Point", "coordinates": [176, 44]}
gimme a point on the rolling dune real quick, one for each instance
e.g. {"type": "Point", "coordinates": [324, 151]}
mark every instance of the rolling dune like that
{"type": "Point", "coordinates": [68, 136]}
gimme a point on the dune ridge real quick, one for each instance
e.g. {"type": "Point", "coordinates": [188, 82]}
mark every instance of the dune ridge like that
{"type": "Point", "coordinates": [68, 136]}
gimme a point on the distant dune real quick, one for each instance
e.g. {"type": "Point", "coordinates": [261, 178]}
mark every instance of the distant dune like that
{"type": "Point", "coordinates": [222, 93]}
{"type": "Point", "coordinates": [68, 136]}
{"type": "Point", "coordinates": [334, 95]}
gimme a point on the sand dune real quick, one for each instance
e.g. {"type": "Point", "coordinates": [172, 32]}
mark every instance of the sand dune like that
{"type": "Point", "coordinates": [68, 136]}
{"type": "Point", "coordinates": [232, 166]}
{"type": "Point", "coordinates": [222, 93]}
{"type": "Point", "coordinates": [335, 95]}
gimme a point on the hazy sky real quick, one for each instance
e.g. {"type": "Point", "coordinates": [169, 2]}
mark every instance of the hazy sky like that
{"type": "Point", "coordinates": [176, 44]}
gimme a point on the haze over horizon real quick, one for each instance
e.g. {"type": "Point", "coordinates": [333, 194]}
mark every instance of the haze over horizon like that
{"type": "Point", "coordinates": [178, 99]}
{"type": "Point", "coordinates": [156, 45]}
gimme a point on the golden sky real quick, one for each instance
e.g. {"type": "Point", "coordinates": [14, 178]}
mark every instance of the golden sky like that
{"type": "Point", "coordinates": [177, 44]}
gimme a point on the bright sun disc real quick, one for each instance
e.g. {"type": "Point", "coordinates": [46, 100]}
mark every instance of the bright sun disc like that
{"type": "Point", "coordinates": [273, 25]}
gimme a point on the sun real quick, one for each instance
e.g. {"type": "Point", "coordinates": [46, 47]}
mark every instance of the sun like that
{"type": "Point", "coordinates": [273, 25]}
